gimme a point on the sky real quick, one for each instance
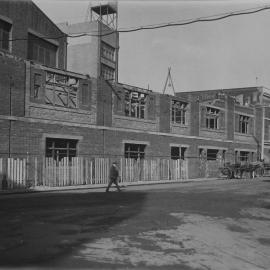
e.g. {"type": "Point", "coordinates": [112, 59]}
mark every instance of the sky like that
{"type": "Point", "coordinates": [229, 53]}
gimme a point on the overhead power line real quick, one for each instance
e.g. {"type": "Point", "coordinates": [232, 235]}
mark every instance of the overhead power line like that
{"type": "Point", "coordinates": [198, 20]}
{"type": "Point", "coordinates": [159, 26]}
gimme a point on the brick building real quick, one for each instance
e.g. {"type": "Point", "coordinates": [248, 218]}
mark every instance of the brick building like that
{"type": "Point", "coordinates": [47, 111]}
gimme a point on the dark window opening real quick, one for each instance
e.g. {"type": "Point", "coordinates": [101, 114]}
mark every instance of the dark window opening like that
{"type": "Point", "coordinates": [134, 150]}
{"type": "Point", "coordinates": [37, 85]}
{"type": "Point", "coordinates": [5, 29]}
{"type": "Point", "coordinates": [41, 51]}
{"type": "Point", "coordinates": [60, 148]}
{"type": "Point", "coordinates": [175, 152]}
{"type": "Point", "coordinates": [244, 156]}
{"type": "Point", "coordinates": [243, 124]}
{"type": "Point", "coordinates": [212, 154]}
{"type": "Point", "coordinates": [178, 152]}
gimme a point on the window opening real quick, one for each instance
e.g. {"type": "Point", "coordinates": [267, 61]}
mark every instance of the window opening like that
{"type": "Point", "coordinates": [178, 152]}
{"type": "Point", "coordinates": [179, 112]}
{"type": "Point", "coordinates": [243, 124]}
{"type": "Point", "coordinates": [61, 90]}
{"type": "Point", "coordinates": [134, 151]}
{"type": "Point", "coordinates": [244, 156]}
{"type": "Point", "coordinates": [41, 51]}
{"type": "Point", "coordinates": [212, 116]}
{"type": "Point", "coordinates": [107, 72]}
{"type": "Point", "coordinates": [135, 104]}
{"type": "Point", "coordinates": [85, 94]}
{"type": "Point", "coordinates": [212, 154]}
{"type": "Point", "coordinates": [37, 85]}
{"type": "Point", "coordinates": [108, 52]}
{"type": "Point", "coordinates": [58, 148]}
{"type": "Point", "coordinates": [5, 29]}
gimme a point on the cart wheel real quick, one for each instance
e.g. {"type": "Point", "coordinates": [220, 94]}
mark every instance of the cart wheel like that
{"type": "Point", "coordinates": [227, 172]}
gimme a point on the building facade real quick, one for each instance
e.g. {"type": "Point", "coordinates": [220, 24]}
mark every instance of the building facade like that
{"type": "Point", "coordinates": [47, 111]}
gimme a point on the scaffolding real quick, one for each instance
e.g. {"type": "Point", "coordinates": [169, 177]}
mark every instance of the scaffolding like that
{"type": "Point", "coordinates": [105, 12]}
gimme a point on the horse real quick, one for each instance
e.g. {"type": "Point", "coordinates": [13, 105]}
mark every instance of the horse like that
{"type": "Point", "coordinates": [237, 170]}
{"type": "Point", "coordinates": [254, 168]}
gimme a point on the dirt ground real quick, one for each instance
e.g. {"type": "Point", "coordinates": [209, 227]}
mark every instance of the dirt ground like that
{"type": "Point", "coordinates": [223, 224]}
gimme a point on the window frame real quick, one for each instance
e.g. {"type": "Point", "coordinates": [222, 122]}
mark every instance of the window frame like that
{"type": "Point", "coordinates": [244, 156]}
{"type": "Point", "coordinates": [52, 146]}
{"type": "Point", "coordinates": [139, 153]}
{"type": "Point", "coordinates": [181, 152]}
{"type": "Point", "coordinates": [5, 29]}
{"type": "Point", "coordinates": [107, 51]}
{"type": "Point", "coordinates": [212, 116]}
{"type": "Point", "coordinates": [85, 94]}
{"type": "Point", "coordinates": [107, 72]}
{"type": "Point", "coordinates": [42, 51]}
{"type": "Point", "coordinates": [179, 112]}
{"type": "Point", "coordinates": [244, 124]}
{"type": "Point", "coordinates": [212, 154]}
{"type": "Point", "coordinates": [135, 106]}
{"type": "Point", "coordinates": [63, 89]}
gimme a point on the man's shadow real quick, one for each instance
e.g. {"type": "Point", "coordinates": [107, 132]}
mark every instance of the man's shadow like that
{"type": "Point", "coordinates": [39, 229]}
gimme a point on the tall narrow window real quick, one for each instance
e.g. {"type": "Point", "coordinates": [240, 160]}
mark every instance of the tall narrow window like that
{"type": "Point", "coordinates": [179, 112]}
{"type": "Point", "coordinates": [243, 124]}
{"type": "Point", "coordinates": [85, 94]}
{"type": "Point", "coordinates": [5, 29]}
{"type": "Point", "coordinates": [175, 152]}
{"type": "Point", "coordinates": [37, 85]}
{"type": "Point", "coordinates": [212, 116]}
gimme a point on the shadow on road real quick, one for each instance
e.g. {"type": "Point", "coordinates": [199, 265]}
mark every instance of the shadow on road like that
{"type": "Point", "coordinates": [36, 230]}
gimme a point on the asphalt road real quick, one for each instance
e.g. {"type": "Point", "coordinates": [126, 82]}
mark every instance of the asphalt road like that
{"type": "Point", "coordinates": [215, 225]}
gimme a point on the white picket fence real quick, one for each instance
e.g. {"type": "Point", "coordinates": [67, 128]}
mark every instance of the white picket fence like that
{"type": "Point", "coordinates": [132, 170]}
{"type": "Point", "coordinates": [13, 174]}
{"type": "Point", "coordinates": [82, 171]}
{"type": "Point", "coordinates": [78, 171]}
{"type": "Point", "coordinates": [87, 171]}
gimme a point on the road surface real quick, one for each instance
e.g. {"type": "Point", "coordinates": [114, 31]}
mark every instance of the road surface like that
{"type": "Point", "coordinates": [223, 224]}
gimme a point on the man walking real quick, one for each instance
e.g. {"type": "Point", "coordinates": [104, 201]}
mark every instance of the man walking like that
{"type": "Point", "coordinates": [113, 177]}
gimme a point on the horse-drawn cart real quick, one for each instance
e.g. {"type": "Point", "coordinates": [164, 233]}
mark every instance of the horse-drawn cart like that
{"type": "Point", "coordinates": [237, 170]}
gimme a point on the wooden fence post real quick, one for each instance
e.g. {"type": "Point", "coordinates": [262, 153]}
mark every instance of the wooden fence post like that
{"type": "Point", "coordinates": [1, 172]}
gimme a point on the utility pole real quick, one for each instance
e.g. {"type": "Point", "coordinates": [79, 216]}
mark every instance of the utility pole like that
{"type": "Point", "coordinates": [11, 85]}
{"type": "Point", "coordinates": [263, 130]}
